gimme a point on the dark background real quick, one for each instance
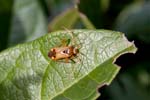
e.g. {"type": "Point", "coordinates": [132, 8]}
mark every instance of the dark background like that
{"type": "Point", "coordinates": [131, 17]}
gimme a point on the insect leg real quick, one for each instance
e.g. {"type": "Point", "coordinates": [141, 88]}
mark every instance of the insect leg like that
{"type": "Point", "coordinates": [66, 60]}
{"type": "Point", "coordinates": [72, 60]}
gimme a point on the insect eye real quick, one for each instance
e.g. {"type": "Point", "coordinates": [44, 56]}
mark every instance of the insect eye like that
{"type": "Point", "coordinates": [53, 50]}
{"type": "Point", "coordinates": [53, 57]}
{"type": "Point", "coordinates": [66, 51]}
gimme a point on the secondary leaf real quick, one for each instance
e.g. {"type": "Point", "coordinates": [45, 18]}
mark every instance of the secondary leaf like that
{"type": "Point", "coordinates": [26, 72]}
{"type": "Point", "coordinates": [86, 22]}
{"type": "Point", "coordinates": [28, 21]}
{"type": "Point", "coordinates": [133, 16]}
{"type": "Point", "coordinates": [62, 20]}
{"type": "Point", "coordinates": [75, 18]}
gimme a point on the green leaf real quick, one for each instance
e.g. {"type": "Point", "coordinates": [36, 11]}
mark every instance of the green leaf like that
{"type": "Point", "coordinates": [57, 6]}
{"type": "Point", "coordinates": [26, 72]}
{"type": "Point", "coordinates": [28, 21]}
{"type": "Point", "coordinates": [61, 21]}
{"type": "Point", "coordinates": [104, 5]}
{"type": "Point", "coordinates": [86, 22]}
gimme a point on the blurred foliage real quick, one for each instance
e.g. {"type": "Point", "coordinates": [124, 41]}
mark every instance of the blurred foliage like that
{"type": "Point", "coordinates": [5, 18]}
{"type": "Point", "coordinates": [76, 20]}
{"type": "Point", "coordinates": [134, 20]}
{"type": "Point", "coordinates": [129, 16]}
{"type": "Point", "coordinates": [28, 21]}
{"type": "Point", "coordinates": [57, 6]}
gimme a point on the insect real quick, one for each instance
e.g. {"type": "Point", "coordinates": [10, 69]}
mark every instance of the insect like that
{"type": "Point", "coordinates": [64, 52]}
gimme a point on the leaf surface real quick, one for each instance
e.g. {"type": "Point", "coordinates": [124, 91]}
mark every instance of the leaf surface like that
{"type": "Point", "coordinates": [26, 72]}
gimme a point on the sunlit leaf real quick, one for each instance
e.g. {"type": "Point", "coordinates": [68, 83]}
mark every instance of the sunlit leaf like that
{"type": "Point", "coordinates": [26, 71]}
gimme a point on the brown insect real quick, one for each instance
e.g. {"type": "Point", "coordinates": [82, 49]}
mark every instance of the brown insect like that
{"type": "Point", "coordinates": [63, 52]}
